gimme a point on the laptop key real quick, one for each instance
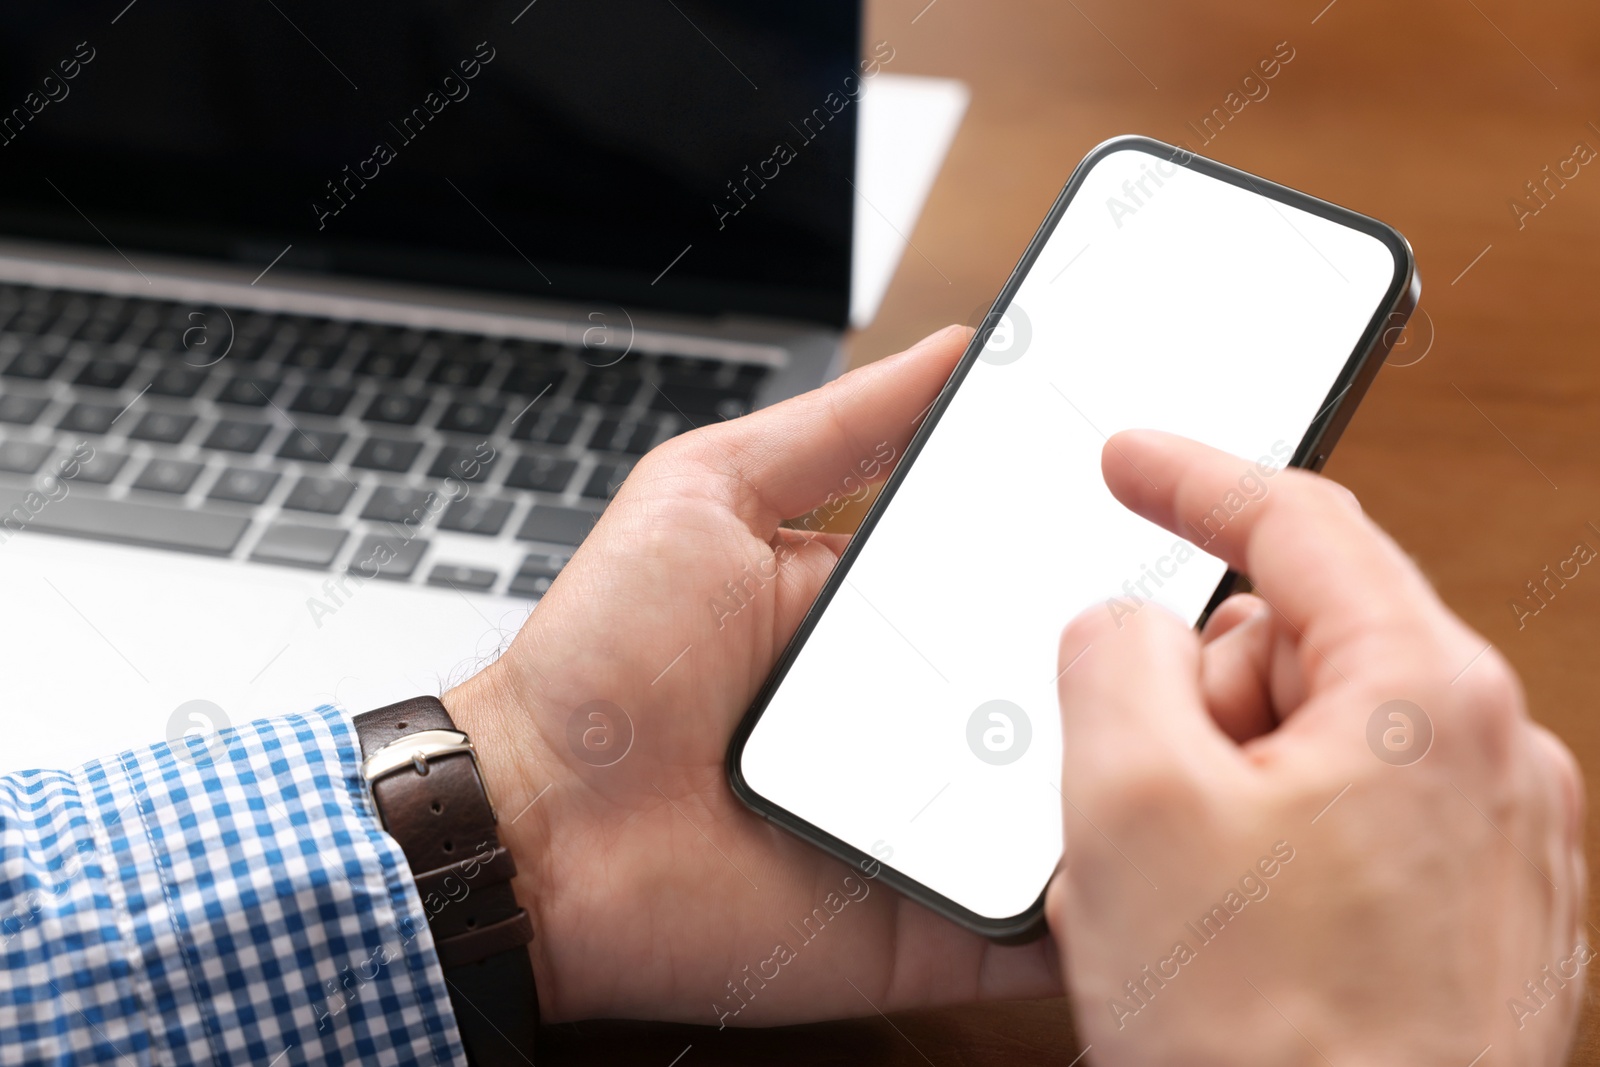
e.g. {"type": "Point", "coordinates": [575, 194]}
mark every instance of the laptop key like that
{"type": "Point", "coordinates": [460, 373]}
{"type": "Point", "coordinates": [298, 546]}
{"type": "Point", "coordinates": [606, 479]}
{"type": "Point", "coordinates": [168, 476]}
{"type": "Point", "coordinates": [476, 514]}
{"type": "Point", "coordinates": [21, 410]}
{"type": "Point", "coordinates": [24, 322]}
{"type": "Point", "coordinates": [533, 379]}
{"type": "Point", "coordinates": [611, 387]}
{"type": "Point", "coordinates": [31, 321]}
{"type": "Point", "coordinates": [169, 341]}
{"type": "Point", "coordinates": [541, 473]}
{"type": "Point", "coordinates": [546, 563]}
{"type": "Point", "coordinates": [465, 416]}
{"type": "Point", "coordinates": [381, 364]}
{"type": "Point", "coordinates": [315, 330]}
{"type": "Point", "coordinates": [383, 454]}
{"type": "Point", "coordinates": [22, 457]}
{"type": "Point", "coordinates": [243, 485]}
{"type": "Point", "coordinates": [465, 462]}
{"type": "Point", "coordinates": [231, 436]}
{"type": "Point", "coordinates": [100, 468]}
{"type": "Point", "coordinates": [689, 368]}
{"type": "Point", "coordinates": [455, 345]}
{"type": "Point", "coordinates": [150, 525]}
{"type": "Point", "coordinates": [536, 575]}
{"type": "Point", "coordinates": [557, 525]}
{"type": "Point", "coordinates": [551, 428]}
{"type": "Point", "coordinates": [312, 357]}
{"type": "Point", "coordinates": [104, 374]}
{"type": "Point", "coordinates": [458, 576]}
{"type": "Point", "coordinates": [177, 380]}
{"type": "Point", "coordinates": [249, 346]}
{"type": "Point", "coordinates": [394, 503]}
{"type": "Point", "coordinates": [394, 338]}
{"type": "Point", "coordinates": [397, 408]}
{"type": "Point", "coordinates": [100, 331]}
{"type": "Point", "coordinates": [623, 435]}
{"type": "Point", "coordinates": [248, 390]}
{"type": "Point", "coordinates": [322, 400]}
{"type": "Point", "coordinates": [33, 364]}
{"type": "Point", "coordinates": [88, 418]}
{"type": "Point", "coordinates": [165, 427]}
{"type": "Point", "coordinates": [325, 495]}
{"type": "Point", "coordinates": [387, 556]}
{"type": "Point", "coordinates": [312, 446]}
{"type": "Point", "coordinates": [130, 333]}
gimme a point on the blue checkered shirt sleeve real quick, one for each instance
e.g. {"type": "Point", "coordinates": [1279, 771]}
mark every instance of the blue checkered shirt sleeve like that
{"type": "Point", "coordinates": [227, 899]}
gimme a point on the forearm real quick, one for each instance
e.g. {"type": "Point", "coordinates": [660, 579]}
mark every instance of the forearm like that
{"type": "Point", "coordinates": [195, 905]}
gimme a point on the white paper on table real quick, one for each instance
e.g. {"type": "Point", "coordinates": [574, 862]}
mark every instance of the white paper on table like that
{"type": "Point", "coordinates": [906, 126]}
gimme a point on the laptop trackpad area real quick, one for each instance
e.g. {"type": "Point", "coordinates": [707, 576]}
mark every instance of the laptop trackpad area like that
{"type": "Point", "coordinates": [106, 648]}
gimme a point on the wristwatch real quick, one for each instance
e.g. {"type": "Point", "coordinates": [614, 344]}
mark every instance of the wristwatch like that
{"type": "Point", "coordinates": [425, 783]}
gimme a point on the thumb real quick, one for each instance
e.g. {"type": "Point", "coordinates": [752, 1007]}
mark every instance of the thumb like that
{"type": "Point", "coordinates": [1132, 706]}
{"type": "Point", "coordinates": [785, 460]}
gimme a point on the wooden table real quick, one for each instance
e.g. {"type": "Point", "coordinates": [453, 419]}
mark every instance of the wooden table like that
{"type": "Point", "coordinates": [1431, 115]}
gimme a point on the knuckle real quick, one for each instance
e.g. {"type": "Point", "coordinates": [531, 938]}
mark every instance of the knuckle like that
{"type": "Point", "coordinates": [1154, 635]}
{"type": "Point", "coordinates": [1495, 681]}
{"type": "Point", "coordinates": [1302, 490]}
{"type": "Point", "coordinates": [1491, 697]}
{"type": "Point", "coordinates": [1563, 767]}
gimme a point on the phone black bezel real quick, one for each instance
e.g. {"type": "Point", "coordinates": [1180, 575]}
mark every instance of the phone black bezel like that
{"type": "Point", "coordinates": [1348, 388]}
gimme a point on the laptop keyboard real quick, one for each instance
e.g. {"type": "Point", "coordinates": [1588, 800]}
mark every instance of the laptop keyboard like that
{"type": "Point", "coordinates": [456, 459]}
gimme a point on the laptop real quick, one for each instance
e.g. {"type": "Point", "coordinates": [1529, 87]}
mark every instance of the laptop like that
{"type": "Point", "coordinates": [328, 331]}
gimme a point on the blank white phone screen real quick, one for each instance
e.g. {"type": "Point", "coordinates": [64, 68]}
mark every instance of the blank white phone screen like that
{"type": "Point", "coordinates": [919, 723]}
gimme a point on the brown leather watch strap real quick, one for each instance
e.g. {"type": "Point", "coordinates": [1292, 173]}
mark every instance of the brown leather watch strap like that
{"type": "Point", "coordinates": [438, 809]}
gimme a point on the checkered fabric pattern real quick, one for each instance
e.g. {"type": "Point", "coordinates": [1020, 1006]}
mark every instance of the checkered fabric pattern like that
{"type": "Point", "coordinates": [217, 900]}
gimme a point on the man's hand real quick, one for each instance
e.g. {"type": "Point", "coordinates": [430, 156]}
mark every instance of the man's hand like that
{"type": "Point", "coordinates": [1324, 831]}
{"type": "Point", "coordinates": [654, 893]}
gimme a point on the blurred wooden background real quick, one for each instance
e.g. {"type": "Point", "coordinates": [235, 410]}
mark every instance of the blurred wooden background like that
{"type": "Point", "coordinates": [1482, 456]}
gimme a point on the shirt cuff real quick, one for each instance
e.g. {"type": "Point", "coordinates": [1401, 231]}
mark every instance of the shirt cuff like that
{"type": "Point", "coordinates": [226, 899]}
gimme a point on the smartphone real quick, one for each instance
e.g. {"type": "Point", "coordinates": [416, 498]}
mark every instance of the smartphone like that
{"type": "Point", "coordinates": [912, 726]}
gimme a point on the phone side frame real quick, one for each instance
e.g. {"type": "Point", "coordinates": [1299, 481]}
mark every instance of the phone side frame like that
{"type": "Point", "coordinates": [1369, 354]}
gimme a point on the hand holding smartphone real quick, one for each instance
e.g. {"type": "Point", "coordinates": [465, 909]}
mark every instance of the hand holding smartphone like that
{"type": "Point", "coordinates": [912, 723]}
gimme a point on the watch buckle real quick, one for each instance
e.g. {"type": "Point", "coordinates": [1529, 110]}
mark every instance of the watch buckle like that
{"type": "Point", "coordinates": [414, 751]}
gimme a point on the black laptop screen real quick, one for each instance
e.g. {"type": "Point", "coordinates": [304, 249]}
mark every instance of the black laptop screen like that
{"type": "Point", "coordinates": [689, 154]}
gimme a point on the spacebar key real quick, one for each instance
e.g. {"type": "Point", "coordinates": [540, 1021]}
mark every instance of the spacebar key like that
{"type": "Point", "coordinates": [141, 524]}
